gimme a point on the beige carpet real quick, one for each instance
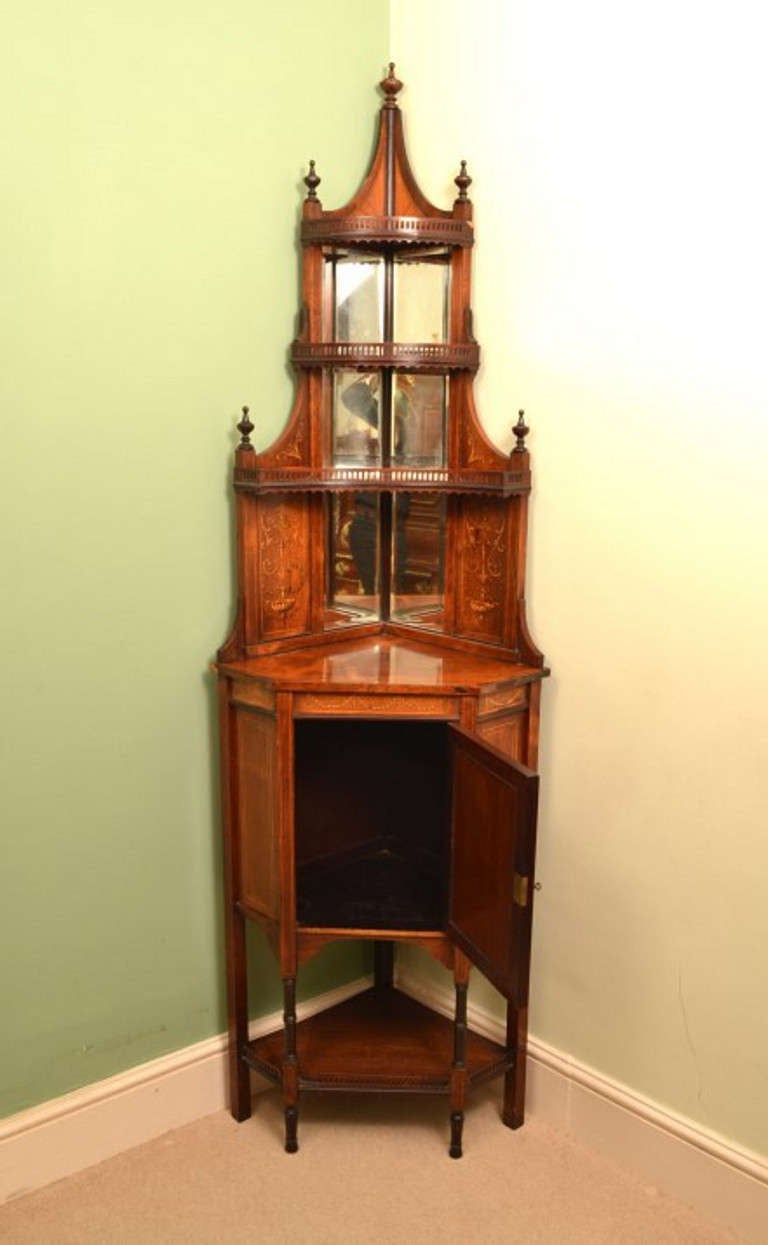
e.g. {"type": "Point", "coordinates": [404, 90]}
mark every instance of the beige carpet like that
{"type": "Point", "coordinates": [369, 1170]}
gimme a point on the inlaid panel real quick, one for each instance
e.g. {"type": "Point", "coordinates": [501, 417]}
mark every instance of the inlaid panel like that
{"type": "Point", "coordinates": [482, 568]}
{"type": "Point", "coordinates": [284, 565]}
{"type": "Point", "coordinates": [507, 733]}
{"type": "Point", "coordinates": [318, 704]}
{"type": "Point", "coordinates": [505, 698]}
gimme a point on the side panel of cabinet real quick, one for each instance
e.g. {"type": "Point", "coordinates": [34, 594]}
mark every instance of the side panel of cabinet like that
{"type": "Point", "coordinates": [493, 843]}
{"type": "Point", "coordinates": [257, 812]}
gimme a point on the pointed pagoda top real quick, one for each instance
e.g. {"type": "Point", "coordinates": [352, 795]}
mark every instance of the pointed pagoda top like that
{"type": "Point", "coordinates": [389, 207]}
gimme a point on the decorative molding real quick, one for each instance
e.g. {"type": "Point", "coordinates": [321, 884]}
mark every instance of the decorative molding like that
{"type": "Point", "coordinates": [367, 356]}
{"type": "Point", "coordinates": [304, 479]}
{"type": "Point", "coordinates": [496, 702]}
{"type": "Point", "coordinates": [312, 704]}
{"type": "Point", "coordinates": [61, 1137]}
{"type": "Point", "coordinates": [407, 230]}
{"type": "Point", "coordinates": [718, 1179]}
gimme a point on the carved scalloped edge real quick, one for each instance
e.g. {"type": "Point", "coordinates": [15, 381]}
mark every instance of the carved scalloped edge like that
{"type": "Point", "coordinates": [404, 230]}
{"type": "Point", "coordinates": [266, 480]}
{"type": "Point", "coordinates": [368, 356]}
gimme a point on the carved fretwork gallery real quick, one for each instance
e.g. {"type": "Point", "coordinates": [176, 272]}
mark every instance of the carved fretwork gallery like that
{"type": "Point", "coordinates": [379, 691]}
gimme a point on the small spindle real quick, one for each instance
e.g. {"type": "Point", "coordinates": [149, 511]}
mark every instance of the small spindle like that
{"type": "Point", "coordinates": [312, 181]}
{"type": "Point", "coordinates": [521, 431]}
{"type": "Point", "coordinates": [463, 181]}
{"type": "Point", "coordinates": [245, 428]}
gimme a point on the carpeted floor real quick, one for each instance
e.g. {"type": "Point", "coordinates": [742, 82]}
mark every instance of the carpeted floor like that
{"type": "Point", "coordinates": [369, 1170]}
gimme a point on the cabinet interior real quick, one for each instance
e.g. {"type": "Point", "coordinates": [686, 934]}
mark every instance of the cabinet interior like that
{"type": "Point", "coordinates": [371, 824]}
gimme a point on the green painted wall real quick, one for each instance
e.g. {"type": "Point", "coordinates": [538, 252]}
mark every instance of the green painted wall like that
{"type": "Point", "coordinates": [151, 156]}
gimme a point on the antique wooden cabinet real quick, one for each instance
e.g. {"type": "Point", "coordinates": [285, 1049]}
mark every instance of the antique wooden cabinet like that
{"type": "Point", "coordinates": [379, 692]}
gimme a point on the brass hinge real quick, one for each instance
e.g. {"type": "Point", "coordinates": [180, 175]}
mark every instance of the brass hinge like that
{"type": "Point", "coordinates": [520, 890]}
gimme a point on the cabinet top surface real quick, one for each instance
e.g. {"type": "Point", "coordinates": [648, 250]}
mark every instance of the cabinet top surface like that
{"type": "Point", "coordinates": [377, 663]}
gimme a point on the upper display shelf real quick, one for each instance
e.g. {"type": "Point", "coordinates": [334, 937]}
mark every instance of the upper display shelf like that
{"type": "Point", "coordinates": [382, 231]}
{"type": "Point", "coordinates": [385, 351]}
{"type": "Point", "coordinates": [402, 356]}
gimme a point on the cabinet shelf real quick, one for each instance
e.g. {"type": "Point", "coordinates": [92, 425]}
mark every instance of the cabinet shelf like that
{"type": "Point", "coordinates": [404, 356]}
{"type": "Point", "coordinates": [380, 1040]}
{"type": "Point", "coordinates": [395, 231]}
{"type": "Point", "coordinates": [378, 886]}
{"type": "Point", "coordinates": [381, 479]}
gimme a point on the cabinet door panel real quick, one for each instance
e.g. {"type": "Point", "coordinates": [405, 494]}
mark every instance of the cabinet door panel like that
{"type": "Point", "coordinates": [493, 843]}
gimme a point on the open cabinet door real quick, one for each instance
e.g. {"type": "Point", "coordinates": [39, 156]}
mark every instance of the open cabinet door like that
{"type": "Point", "coordinates": [493, 846]}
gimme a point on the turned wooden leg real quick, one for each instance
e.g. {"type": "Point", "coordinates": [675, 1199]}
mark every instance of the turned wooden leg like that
{"type": "Point", "coordinates": [513, 1111]}
{"type": "Point", "coordinates": [237, 1017]}
{"type": "Point", "coordinates": [459, 1067]}
{"type": "Point", "coordinates": [457, 1126]}
{"type": "Point", "coordinates": [234, 924]}
{"type": "Point", "coordinates": [383, 964]}
{"type": "Point", "coordinates": [290, 1067]}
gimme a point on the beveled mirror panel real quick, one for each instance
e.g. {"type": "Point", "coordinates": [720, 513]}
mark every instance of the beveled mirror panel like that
{"type": "Point", "coordinates": [421, 297]}
{"type": "Point", "coordinates": [419, 420]}
{"type": "Point", "coordinates": [353, 558]}
{"type": "Point", "coordinates": [418, 559]}
{"type": "Point", "coordinates": [356, 419]}
{"type": "Point", "coordinates": [354, 297]}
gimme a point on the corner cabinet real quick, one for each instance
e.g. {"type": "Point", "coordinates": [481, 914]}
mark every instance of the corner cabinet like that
{"type": "Point", "coordinates": [379, 693]}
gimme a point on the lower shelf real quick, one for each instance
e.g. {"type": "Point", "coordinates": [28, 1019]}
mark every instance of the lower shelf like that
{"type": "Point", "coordinates": [380, 1040]}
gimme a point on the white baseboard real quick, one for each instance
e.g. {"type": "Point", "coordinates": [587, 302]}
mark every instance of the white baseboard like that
{"type": "Point", "coordinates": [89, 1125]}
{"type": "Point", "coordinates": [678, 1157]}
{"type": "Point", "coordinates": [681, 1159]}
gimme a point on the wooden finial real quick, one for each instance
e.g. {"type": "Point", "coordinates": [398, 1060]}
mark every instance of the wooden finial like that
{"type": "Point", "coordinates": [245, 428]}
{"type": "Point", "coordinates": [521, 431]}
{"type": "Point", "coordinates": [391, 86]}
{"type": "Point", "coordinates": [312, 181]}
{"type": "Point", "coordinates": [463, 180]}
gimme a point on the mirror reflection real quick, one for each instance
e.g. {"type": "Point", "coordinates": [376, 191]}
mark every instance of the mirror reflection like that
{"type": "Point", "coordinates": [355, 294]}
{"type": "Point", "coordinates": [418, 559]}
{"type": "Point", "coordinates": [356, 419]}
{"type": "Point", "coordinates": [421, 302]}
{"type": "Point", "coordinates": [353, 558]}
{"type": "Point", "coordinates": [419, 420]}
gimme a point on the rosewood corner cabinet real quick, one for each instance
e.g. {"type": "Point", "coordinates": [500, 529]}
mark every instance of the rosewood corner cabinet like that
{"type": "Point", "coordinates": [379, 692]}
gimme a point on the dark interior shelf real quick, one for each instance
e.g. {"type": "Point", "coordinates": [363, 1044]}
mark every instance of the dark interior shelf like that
{"type": "Point", "coordinates": [379, 1040]}
{"type": "Point", "coordinates": [380, 886]}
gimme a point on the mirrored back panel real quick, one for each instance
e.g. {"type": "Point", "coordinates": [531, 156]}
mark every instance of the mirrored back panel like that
{"type": "Point", "coordinates": [353, 558]}
{"type": "Point", "coordinates": [353, 297]}
{"type": "Point", "coordinates": [355, 419]}
{"type": "Point", "coordinates": [418, 559]}
{"type": "Point", "coordinates": [421, 297]}
{"type": "Point", "coordinates": [419, 420]}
